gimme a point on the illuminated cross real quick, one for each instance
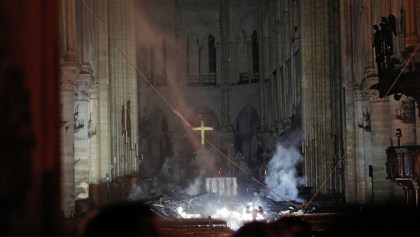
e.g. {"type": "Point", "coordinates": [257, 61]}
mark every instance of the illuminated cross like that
{"type": "Point", "coordinates": [202, 129]}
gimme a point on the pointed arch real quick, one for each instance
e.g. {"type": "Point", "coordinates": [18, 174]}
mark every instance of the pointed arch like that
{"type": "Point", "coordinates": [247, 125]}
{"type": "Point", "coordinates": [248, 120]}
{"type": "Point", "coordinates": [157, 144]}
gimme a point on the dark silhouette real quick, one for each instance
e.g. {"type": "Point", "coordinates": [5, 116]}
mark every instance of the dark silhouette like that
{"type": "Point", "coordinates": [121, 219]}
{"type": "Point", "coordinates": [377, 44]}
{"type": "Point", "coordinates": [291, 226]}
{"type": "Point", "coordinates": [387, 29]}
{"type": "Point", "coordinates": [254, 229]}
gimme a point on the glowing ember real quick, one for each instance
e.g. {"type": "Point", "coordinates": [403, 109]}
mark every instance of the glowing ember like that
{"type": "Point", "coordinates": [235, 218]}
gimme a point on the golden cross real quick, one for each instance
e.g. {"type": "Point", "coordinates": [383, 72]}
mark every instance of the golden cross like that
{"type": "Point", "coordinates": [202, 129]}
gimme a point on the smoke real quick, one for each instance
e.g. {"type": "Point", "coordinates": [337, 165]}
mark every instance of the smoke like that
{"type": "Point", "coordinates": [205, 162]}
{"type": "Point", "coordinates": [195, 187]}
{"type": "Point", "coordinates": [135, 193]}
{"type": "Point", "coordinates": [282, 178]}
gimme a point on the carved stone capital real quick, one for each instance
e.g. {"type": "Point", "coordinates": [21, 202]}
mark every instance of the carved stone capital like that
{"type": "Point", "coordinates": [360, 93]}
{"type": "Point", "coordinates": [68, 75]}
{"type": "Point", "coordinates": [83, 87]}
{"type": "Point", "coordinates": [86, 68]}
{"type": "Point", "coordinates": [71, 56]}
{"type": "Point", "coordinates": [372, 95]}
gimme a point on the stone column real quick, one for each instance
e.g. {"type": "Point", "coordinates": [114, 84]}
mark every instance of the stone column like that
{"type": "Point", "coordinates": [224, 25]}
{"type": "Point", "coordinates": [380, 126]}
{"type": "Point", "coordinates": [81, 141]}
{"type": "Point", "coordinates": [320, 90]}
{"type": "Point", "coordinates": [69, 17]}
{"type": "Point", "coordinates": [347, 80]}
{"type": "Point", "coordinates": [368, 24]}
{"type": "Point", "coordinates": [82, 150]}
{"type": "Point", "coordinates": [411, 37]}
{"type": "Point", "coordinates": [102, 77]}
{"type": "Point", "coordinates": [93, 135]}
{"type": "Point", "coordinates": [69, 71]}
{"type": "Point", "coordinates": [261, 56]}
{"type": "Point", "coordinates": [86, 36]}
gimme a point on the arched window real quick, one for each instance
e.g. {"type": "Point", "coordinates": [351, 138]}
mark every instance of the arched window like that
{"type": "Point", "coordinates": [255, 56]}
{"type": "Point", "coordinates": [212, 54]}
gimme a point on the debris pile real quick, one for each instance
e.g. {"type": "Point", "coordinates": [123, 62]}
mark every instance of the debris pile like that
{"type": "Point", "coordinates": [235, 210]}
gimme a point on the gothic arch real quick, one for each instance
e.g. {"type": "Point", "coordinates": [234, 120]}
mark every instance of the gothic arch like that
{"type": "Point", "coordinates": [157, 143]}
{"type": "Point", "coordinates": [207, 115]}
{"type": "Point", "coordinates": [247, 125]}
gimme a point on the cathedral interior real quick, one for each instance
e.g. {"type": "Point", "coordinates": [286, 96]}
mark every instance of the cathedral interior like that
{"type": "Point", "coordinates": [198, 107]}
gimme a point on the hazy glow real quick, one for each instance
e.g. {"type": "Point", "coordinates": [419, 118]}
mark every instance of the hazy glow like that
{"type": "Point", "coordinates": [235, 218]}
{"type": "Point", "coordinates": [183, 214]}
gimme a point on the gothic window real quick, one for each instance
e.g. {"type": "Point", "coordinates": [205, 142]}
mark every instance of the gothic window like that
{"type": "Point", "coordinates": [193, 60]}
{"type": "Point", "coordinates": [212, 54]}
{"type": "Point", "coordinates": [255, 56]}
{"type": "Point", "coordinates": [247, 125]}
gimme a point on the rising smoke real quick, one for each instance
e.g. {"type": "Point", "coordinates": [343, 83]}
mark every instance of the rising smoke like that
{"type": "Point", "coordinates": [282, 178]}
{"type": "Point", "coordinates": [205, 161]}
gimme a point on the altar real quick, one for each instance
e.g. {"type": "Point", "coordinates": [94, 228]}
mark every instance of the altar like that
{"type": "Point", "coordinates": [224, 186]}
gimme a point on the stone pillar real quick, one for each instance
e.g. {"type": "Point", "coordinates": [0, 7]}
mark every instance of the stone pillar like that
{"type": "Point", "coordinates": [68, 74]}
{"type": "Point", "coordinates": [224, 24]}
{"type": "Point", "coordinates": [261, 55]}
{"type": "Point", "coordinates": [359, 112]}
{"type": "Point", "coordinates": [347, 80]}
{"type": "Point", "coordinates": [320, 90]}
{"type": "Point", "coordinates": [380, 126]}
{"type": "Point", "coordinates": [93, 135]}
{"type": "Point", "coordinates": [81, 142]}
{"type": "Point", "coordinates": [69, 18]}
{"type": "Point", "coordinates": [86, 36]}
{"type": "Point", "coordinates": [82, 151]}
{"type": "Point", "coordinates": [102, 77]}
{"type": "Point", "coordinates": [411, 37]}
{"type": "Point", "coordinates": [69, 71]}
{"type": "Point", "coordinates": [368, 24]}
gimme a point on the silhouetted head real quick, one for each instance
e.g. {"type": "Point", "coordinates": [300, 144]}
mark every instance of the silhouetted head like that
{"type": "Point", "coordinates": [255, 228]}
{"type": "Point", "coordinates": [291, 226]}
{"type": "Point", "coordinates": [121, 219]}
